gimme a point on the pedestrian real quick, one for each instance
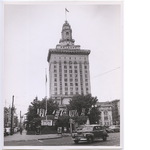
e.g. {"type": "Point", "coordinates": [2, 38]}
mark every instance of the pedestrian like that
{"type": "Point", "coordinates": [21, 131]}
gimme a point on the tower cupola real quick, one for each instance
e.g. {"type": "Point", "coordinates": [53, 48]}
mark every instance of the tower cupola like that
{"type": "Point", "coordinates": [66, 35]}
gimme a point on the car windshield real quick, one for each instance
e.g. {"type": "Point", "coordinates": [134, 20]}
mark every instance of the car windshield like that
{"type": "Point", "coordinates": [87, 128]}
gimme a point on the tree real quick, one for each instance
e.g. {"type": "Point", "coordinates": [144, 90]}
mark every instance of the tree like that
{"type": "Point", "coordinates": [79, 102]}
{"type": "Point", "coordinates": [37, 104]}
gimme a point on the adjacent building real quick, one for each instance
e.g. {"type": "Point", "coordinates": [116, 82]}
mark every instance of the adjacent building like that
{"type": "Point", "coordinates": [116, 111]}
{"type": "Point", "coordinates": [106, 113]}
{"type": "Point", "coordinates": [110, 112]}
{"type": "Point", "coordinates": [68, 68]}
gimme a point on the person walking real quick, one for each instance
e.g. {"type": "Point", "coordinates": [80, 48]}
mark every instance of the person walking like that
{"type": "Point", "coordinates": [21, 131]}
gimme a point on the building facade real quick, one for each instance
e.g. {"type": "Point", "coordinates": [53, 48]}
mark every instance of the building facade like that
{"type": "Point", "coordinates": [116, 112]}
{"type": "Point", "coordinates": [106, 113]}
{"type": "Point", "coordinates": [68, 68]}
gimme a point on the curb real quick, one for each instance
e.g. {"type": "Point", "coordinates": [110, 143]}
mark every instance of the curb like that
{"type": "Point", "coordinates": [34, 139]}
{"type": "Point", "coordinates": [50, 138]}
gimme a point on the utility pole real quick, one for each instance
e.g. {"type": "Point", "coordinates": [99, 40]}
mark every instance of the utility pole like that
{"type": "Point", "coordinates": [12, 115]}
{"type": "Point", "coordinates": [20, 119]}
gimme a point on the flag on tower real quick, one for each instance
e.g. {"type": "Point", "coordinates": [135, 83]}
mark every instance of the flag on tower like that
{"type": "Point", "coordinates": [66, 10]}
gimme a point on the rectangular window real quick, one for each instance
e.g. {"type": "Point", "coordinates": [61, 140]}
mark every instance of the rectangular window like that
{"type": "Point", "coordinates": [65, 75]}
{"type": "Point", "coordinates": [71, 80]}
{"type": "Point", "coordinates": [66, 89]}
{"type": "Point", "coordinates": [75, 67]}
{"type": "Point", "coordinates": [85, 71]}
{"type": "Point", "coordinates": [65, 71]}
{"type": "Point", "coordinates": [85, 75]}
{"type": "Point", "coordinates": [76, 84]}
{"type": "Point", "coordinates": [86, 84]}
{"type": "Point", "coordinates": [71, 93]}
{"type": "Point", "coordinates": [55, 84]}
{"type": "Point", "coordinates": [76, 89]}
{"type": "Point", "coordinates": [55, 89]}
{"type": "Point", "coordinates": [70, 67]}
{"type": "Point", "coordinates": [66, 93]}
{"type": "Point", "coordinates": [76, 80]}
{"type": "Point", "coordinates": [54, 66]}
{"type": "Point", "coordinates": [65, 84]}
{"type": "Point", "coordinates": [55, 75]}
{"type": "Point", "coordinates": [71, 84]}
{"type": "Point", "coordinates": [86, 80]}
{"type": "Point", "coordinates": [65, 67]}
{"type": "Point", "coordinates": [76, 75]}
{"type": "Point", "coordinates": [85, 67]}
{"type": "Point", "coordinates": [75, 71]}
{"type": "Point", "coordinates": [55, 71]}
{"type": "Point", "coordinates": [71, 89]}
{"type": "Point", "coordinates": [55, 79]}
{"type": "Point", "coordinates": [65, 80]}
{"type": "Point", "coordinates": [70, 75]}
{"type": "Point", "coordinates": [70, 71]}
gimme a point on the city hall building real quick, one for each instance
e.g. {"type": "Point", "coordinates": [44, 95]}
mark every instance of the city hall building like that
{"type": "Point", "coordinates": [68, 68]}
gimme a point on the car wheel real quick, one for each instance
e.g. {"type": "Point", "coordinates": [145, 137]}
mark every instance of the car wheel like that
{"type": "Point", "coordinates": [90, 140]}
{"type": "Point", "coordinates": [104, 138]}
{"type": "Point", "coordinates": [76, 141]}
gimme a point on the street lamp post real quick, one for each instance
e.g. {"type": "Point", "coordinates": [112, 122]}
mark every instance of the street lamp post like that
{"type": "Point", "coordinates": [94, 107]}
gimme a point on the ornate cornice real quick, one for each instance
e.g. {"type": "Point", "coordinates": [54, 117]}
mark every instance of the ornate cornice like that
{"type": "Point", "coordinates": [67, 51]}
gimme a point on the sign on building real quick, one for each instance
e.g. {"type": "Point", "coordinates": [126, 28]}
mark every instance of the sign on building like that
{"type": "Point", "coordinates": [46, 122]}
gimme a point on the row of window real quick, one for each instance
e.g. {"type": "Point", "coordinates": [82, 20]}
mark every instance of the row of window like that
{"type": "Point", "coordinates": [71, 89]}
{"type": "Point", "coordinates": [65, 75]}
{"type": "Point", "coordinates": [70, 71]}
{"type": "Point", "coordinates": [70, 67]}
{"type": "Point", "coordinates": [71, 84]}
{"type": "Point", "coordinates": [65, 62]}
{"type": "Point", "coordinates": [71, 80]}
{"type": "Point", "coordinates": [71, 93]}
{"type": "Point", "coordinates": [69, 58]}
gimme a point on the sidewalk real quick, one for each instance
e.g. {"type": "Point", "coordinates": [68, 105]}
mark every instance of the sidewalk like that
{"type": "Point", "coordinates": [25, 137]}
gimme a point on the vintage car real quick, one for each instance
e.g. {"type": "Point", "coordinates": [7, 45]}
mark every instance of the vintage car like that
{"type": "Point", "coordinates": [115, 128]}
{"type": "Point", "coordinates": [89, 133]}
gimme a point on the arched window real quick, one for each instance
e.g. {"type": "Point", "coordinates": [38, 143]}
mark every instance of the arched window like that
{"type": "Point", "coordinates": [70, 62]}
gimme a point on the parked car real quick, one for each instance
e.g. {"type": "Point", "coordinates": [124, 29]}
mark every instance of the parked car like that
{"type": "Point", "coordinates": [89, 133]}
{"type": "Point", "coordinates": [109, 130]}
{"type": "Point", "coordinates": [115, 128]}
{"type": "Point", "coordinates": [80, 127]}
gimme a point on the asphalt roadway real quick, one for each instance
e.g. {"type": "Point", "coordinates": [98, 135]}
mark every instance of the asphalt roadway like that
{"type": "Point", "coordinates": [112, 140]}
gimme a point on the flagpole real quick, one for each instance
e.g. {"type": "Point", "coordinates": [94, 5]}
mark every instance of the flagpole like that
{"type": "Point", "coordinates": [65, 15]}
{"type": "Point", "coordinates": [46, 91]}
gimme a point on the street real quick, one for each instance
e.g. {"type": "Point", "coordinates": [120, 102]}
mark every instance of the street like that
{"type": "Point", "coordinates": [112, 140]}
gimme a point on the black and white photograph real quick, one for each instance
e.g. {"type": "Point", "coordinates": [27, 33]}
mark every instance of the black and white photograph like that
{"type": "Point", "coordinates": [62, 75]}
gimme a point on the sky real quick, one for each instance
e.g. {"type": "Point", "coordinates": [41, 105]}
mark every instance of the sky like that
{"type": "Point", "coordinates": [31, 30]}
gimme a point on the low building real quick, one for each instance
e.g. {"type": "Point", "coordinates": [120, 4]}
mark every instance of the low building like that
{"type": "Point", "coordinates": [106, 113]}
{"type": "Point", "coordinates": [116, 112]}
